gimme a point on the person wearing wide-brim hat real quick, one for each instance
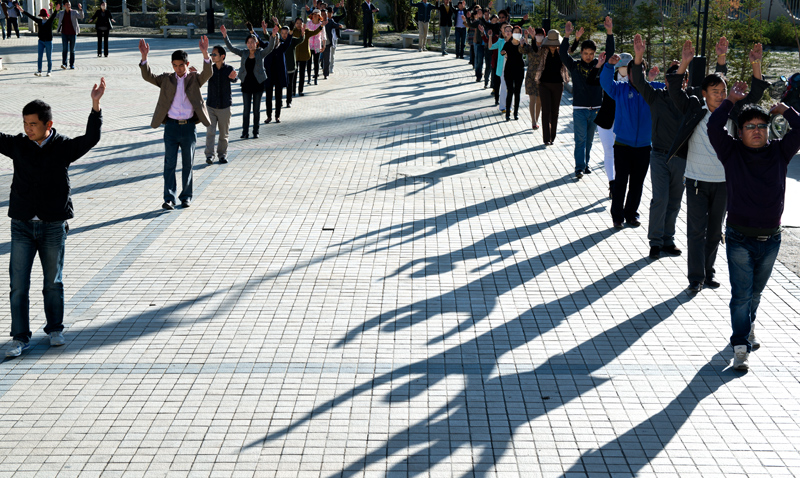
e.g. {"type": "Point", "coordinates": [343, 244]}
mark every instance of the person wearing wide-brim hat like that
{"type": "Point", "coordinates": [551, 76]}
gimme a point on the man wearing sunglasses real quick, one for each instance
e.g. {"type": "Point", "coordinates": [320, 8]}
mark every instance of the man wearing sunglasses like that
{"type": "Point", "coordinates": [755, 171]}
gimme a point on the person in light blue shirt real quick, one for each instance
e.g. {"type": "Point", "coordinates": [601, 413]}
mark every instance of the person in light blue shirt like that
{"type": "Point", "coordinates": [498, 45]}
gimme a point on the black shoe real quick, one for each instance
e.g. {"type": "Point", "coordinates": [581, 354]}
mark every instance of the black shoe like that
{"type": "Point", "coordinates": [277, 120]}
{"type": "Point", "coordinates": [578, 173]}
{"type": "Point", "coordinates": [587, 170]}
{"type": "Point", "coordinates": [209, 160]}
{"type": "Point", "coordinates": [301, 94]}
{"type": "Point", "coordinates": [223, 160]}
{"type": "Point", "coordinates": [255, 135]}
{"type": "Point", "coordinates": [610, 189]}
{"type": "Point", "coordinates": [633, 223]}
{"type": "Point", "coordinates": [618, 225]}
{"type": "Point", "coordinates": [655, 252]}
{"type": "Point", "coordinates": [711, 283]}
{"type": "Point", "coordinates": [516, 117]}
{"type": "Point", "coordinates": [99, 55]}
{"type": "Point", "coordinates": [315, 81]}
{"type": "Point", "coordinates": [186, 203]}
{"type": "Point", "coordinates": [672, 250]}
{"type": "Point", "coordinates": [268, 120]}
{"type": "Point", "coordinates": [695, 287]}
{"type": "Point", "coordinates": [244, 135]}
{"type": "Point", "coordinates": [169, 206]}
{"type": "Point", "coordinates": [288, 105]}
{"type": "Point", "coordinates": [477, 80]}
{"type": "Point", "coordinates": [508, 117]}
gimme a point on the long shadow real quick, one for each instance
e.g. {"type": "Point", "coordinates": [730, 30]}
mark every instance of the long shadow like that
{"type": "Point", "coordinates": [5, 247]}
{"type": "Point", "coordinates": [520, 397]}
{"type": "Point", "coordinates": [478, 142]}
{"type": "Point", "coordinates": [631, 451]}
{"type": "Point", "coordinates": [478, 306]}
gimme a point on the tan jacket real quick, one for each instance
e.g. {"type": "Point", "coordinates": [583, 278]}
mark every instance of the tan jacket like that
{"type": "Point", "coordinates": [168, 83]}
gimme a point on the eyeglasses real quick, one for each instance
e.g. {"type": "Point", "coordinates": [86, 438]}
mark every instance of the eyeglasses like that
{"type": "Point", "coordinates": [213, 54]}
{"type": "Point", "coordinates": [751, 126]}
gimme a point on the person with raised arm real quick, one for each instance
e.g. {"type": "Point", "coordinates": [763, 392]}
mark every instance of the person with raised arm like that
{"type": "Point", "coordinates": [706, 194]}
{"type": "Point", "coordinates": [45, 34]}
{"type": "Point", "coordinates": [102, 20]}
{"type": "Point", "coordinates": [423, 18]}
{"type": "Point", "coordinates": [39, 207]}
{"type": "Point", "coordinates": [179, 108]}
{"type": "Point", "coordinates": [218, 104]}
{"type": "Point", "coordinates": [587, 95]}
{"type": "Point", "coordinates": [755, 169]}
{"type": "Point", "coordinates": [666, 176]}
{"type": "Point", "coordinates": [69, 28]}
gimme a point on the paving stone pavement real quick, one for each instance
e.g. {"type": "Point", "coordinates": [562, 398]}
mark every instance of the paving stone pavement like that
{"type": "Point", "coordinates": [392, 282]}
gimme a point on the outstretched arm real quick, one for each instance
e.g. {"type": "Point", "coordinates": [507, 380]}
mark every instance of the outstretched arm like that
{"type": "Point", "coordinates": [563, 49]}
{"type": "Point", "coordinates": [718, 136]}
{"type": "Point", "coordinates": [144, 66]}
{"type": "Point", "coordinates": [77, 147]}
{"type": "Point", "coordinates": [637, 74]}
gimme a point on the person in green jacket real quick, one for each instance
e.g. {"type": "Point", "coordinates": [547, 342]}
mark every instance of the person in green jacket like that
{"type": "Point", "coordinates": [302, 51]}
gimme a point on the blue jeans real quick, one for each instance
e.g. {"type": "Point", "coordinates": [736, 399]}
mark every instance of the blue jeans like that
{"type": "Point", "coordinates": [178, 136]}
{"type": "Point", "coordinates": [479, 51]}
{"type": "Point", "coordinates": [46, 46]}
{"type": "Point", "coordinates": [444, 35]}
{"type": "Point", "coordinates": [750, 264]}
{"type": "Point", "coordinates": [48, 239]}
{"type": "Point", "coordinates": [68, 42]}
{"type": "Point", "coordinates": [461, 38]}
{"type": "Point", "coordinates": [583, 123]}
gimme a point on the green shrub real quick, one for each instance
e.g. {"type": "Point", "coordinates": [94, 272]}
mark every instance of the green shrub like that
{"type": "Point", "coordinates": [781, 32]}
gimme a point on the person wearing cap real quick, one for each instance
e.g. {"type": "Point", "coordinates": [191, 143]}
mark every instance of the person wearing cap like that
{"type": "Point", "coordinates": [632, 127]}
{"type": "Point", "coordinates": [666, 176]}
{"type": "Point", "coordinates": [45, 34]}
{"type": "Point", "coordinates": [706, 193]}
{"type": "Point", "coordinates": [551, 76]}
{"type": "Point", "coordinates": [587, 95]}
{"type": "Point", "coordinates": [423, 18]}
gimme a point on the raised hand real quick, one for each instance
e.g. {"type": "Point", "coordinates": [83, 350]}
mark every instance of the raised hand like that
{"type": "Point", "coordinates": [192, 69]}
{"type": "Point", "coordinates": [568, 29]}
{"type": "Point", "coordinates": [525, 17]}
{"type": "Point", "coordinates": [653, 74]}
{"type": "Point", "coordinates": [481, 29]}
{"type": "Point", "coordinates": [609, 25]}
{"type": "Point", "coordinates": [222, 30]}
{"type": "Point", "coordinates": [687, 53]}
{"type": "Point", "coordinates": [144, 49]}
{"type": "Point", "coordinates": [579, 34]}
{"type": "Point", "coordinates": [614, 59]}
{"type": "Point", "coordinates": [756, 54]}
{"type": "Point", "coordinates": [601, 60]}
{"type": "Point", "coordinates": [264, 26]}
{"type": "Point", "coordinates": [232, 76]}
{"type": "Point", "coordinates": [97, 93]}
{"type": "Point", "coordinates": [722, 47]}
{"type": "Point", "coordinates": [275, 20]}
{"type": "Point", "coordinates": [204, 44]}
{"type": "Point", "coordinates": [778, 109]}
{"type": "Point", "coordinates": [80, 6]}
{"type": "Point", "coordinates": [275, 30]}
{"type": "Point", "coordinates": [738, 92]}
{"type": "Point", "coordinates": [639, 48]}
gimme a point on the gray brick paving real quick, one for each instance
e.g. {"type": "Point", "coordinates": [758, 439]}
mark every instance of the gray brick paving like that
{"type": "Point", "coordinates": [392, 282]}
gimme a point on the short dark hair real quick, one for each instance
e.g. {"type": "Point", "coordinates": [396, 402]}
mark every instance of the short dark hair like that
{"type": "Point", "coordinates": [180, 55]}
{"type": "Point", "coordinates": [220, 50]}
{"type": "Point", "coordinates": [589, 45]}
{"type": "Point", "coordinates": [673, 69]}
{"type": "Point", "coordinates": [286, 27]}
{"type": "Point", "coordinates": [40, 109]}
{"type": "Point", "coordinates": [330, 9]}
{"type": "Point", "coordinates": [540, 31]}
{"type": "Point", "coordinates": [751, 112]}
{"type": "Point", "coordinates": [502, 12]}
{"type": "Point", "coordinates": [253, 37]}
{"type": "Point", "coordinates": [713, 79]}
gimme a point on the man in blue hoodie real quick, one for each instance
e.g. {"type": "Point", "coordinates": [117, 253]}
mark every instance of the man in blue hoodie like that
{"type": "Point", "coordinates": [632, 127]}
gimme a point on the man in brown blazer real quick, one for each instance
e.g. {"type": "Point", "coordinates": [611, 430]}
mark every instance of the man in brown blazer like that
{"type": "Point", "coordinates": [180, 107]}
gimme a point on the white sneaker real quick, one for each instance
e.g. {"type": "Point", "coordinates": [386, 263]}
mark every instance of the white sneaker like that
{"type": "Point", "coordinates": [57, 339]}
{"type": "Point", "coordinates": [754, 343]}
{"type": "Point", "coordinates": [16, 349]}
{"type": "Point", "coordinates": [38, 73]}
{"type": "Point", "coordinates": [741, 357]}
{"type": "Point", "coordinates": [48, 74]}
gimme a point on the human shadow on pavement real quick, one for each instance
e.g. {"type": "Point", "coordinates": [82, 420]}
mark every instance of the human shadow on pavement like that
{"type": "Point", "coordinates": [633, 450]}
{"type": "Point", "coordinates": [448, 151]}
{"type": "Point", "coordinates": [488, 411]}
{"type": "Point", "coordinates": [465, 299]}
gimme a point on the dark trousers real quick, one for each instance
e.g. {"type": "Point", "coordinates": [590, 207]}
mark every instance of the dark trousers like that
{"type": "Point", "coordinates": [178, 136]}
{"type": "Point", "coordinates": [315, 58]}
{"type": "Point", "coordinates": [67, 44]}
{"type": "Point", "coordinates": [278, 89]}
{"type": "Point", "coordinates": [300, 75]}
{"type": "Point", "coordinates": [27, 239]}
{"type": "Point", "coordinates": [705, 208]}
{"type": "Point", "coordinates": [326, 61]}
{"type": "Point", "coordinates": [667, 180]}
{"type": "Point", "coordinates": [367, 32]}
{"type": "Point", "coordinates": [631, 165]}
{"type": "Point", "coordinates": [12, 23]}
{"type": "Point", "coordinates": [255, 100]}
{"type": "Point", "coordinates": [488, 73]}
{"type": "Point", "coordinates": [550, 95]}
{"type": "Point", "coordinates": [291, 88]}
{"type": "Point", "coordinates": [513, 88]}
{"type": "Point", "coordinates": [471, 54]}
{"type": "Point", "coordinates": [478, 61]}
{"type": "Point", "coordinates": [102, 41]}
{"type": "Point", "coordinates": [495, 87]}
{"type": "Point", "coordinates": [461, 39]}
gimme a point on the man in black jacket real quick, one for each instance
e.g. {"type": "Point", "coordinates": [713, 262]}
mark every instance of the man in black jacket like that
{"type": "Point", "coordinates": [39, 208]}
{"type": "Point", "coordinates": [218, 104]}
{"type": "Point", "coordinates": [666, 176]}
{"type": "Point", "coordinates": [332, 28]}
{"type": "Point", "coordinates": [446, 12]}
{"type": "Point", "coordinates": [368, 22]}
{"type": "Point", "coordinates": [705, 177]}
